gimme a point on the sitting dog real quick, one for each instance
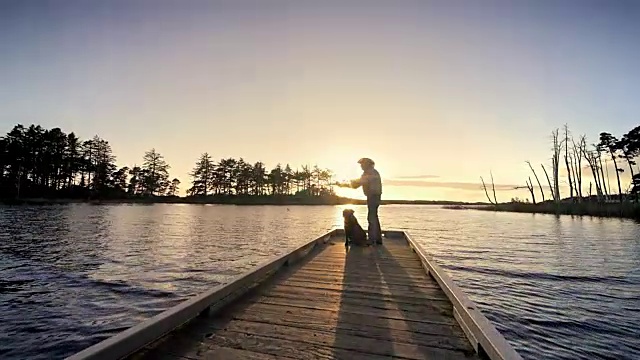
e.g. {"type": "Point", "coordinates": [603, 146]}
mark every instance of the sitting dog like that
{"type": "Point", "coordinates": [353, 231]}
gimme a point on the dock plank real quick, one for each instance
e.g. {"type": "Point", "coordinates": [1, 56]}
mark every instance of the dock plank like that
{"type": "Point", "coordinates": [379, 282]}
{"type": "Point", "coordinates": [365, 303]}
{"type": "Point", "coordinates": [364, 273]}
{"type": "Point", "coordinates": [331, 317]}
{"type": "Point", "coordinates": [355, 329]}
{"type": "Point", "coordinates": [340, 339]}
{"type": "Point", "coordinates": [381, 302]}
{"type": "Point", "coordinates": [372, 290]}
{"type": "Point", "coordinates": [362, 310]}
{"type": "Point", "coordinates": [434, 298]}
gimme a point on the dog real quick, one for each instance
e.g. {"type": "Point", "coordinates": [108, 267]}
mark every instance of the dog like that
{"type": "Point", "coordinates": [354, 233]}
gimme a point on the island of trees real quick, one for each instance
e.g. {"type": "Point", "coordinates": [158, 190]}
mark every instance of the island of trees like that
{"type": "Point", "coordinates": [608, 193]}
{"type": "Point", "coordinates": [39, 164]}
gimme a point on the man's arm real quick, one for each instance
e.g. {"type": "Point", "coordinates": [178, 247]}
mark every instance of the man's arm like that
{"type": "Point", "coordinates": [364, 179]}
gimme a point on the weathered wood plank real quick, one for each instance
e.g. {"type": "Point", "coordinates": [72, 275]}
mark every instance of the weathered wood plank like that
{"type": "Point", "coordinates": [362, 310]}
{"type": "Point", "coordinates": [324, 316]}
{"type": "Point", "coordinates": [178, 346]}
{"type": "Point", "coordinates": [438, 301]}
{"type": "Point", "coordinates": [226, 353]}
{"type": "Point", "coordinates": [414, 277]}
{"type": "Point", "coordinates": [392, 290]}
{"type": "Point", "coordinates": [378, 280]}
{"type": "Point", "coordinates": [338, 340]}
{"type": "Point", "coordinates": [363, 271]}
{"type": "Point", "coordinates": [390, 255]}
{"type": "Point", "coordinates": [320, 262]}
{"type": "Point", "coordinates": [284, 347]}
{"type": "Point", "coordinates": [376, 284]}
{"type": "Point", "coordinates": [424, 296]}
{"type": "Point", "coordinates": [388, 251]}
{"type": "Point", "coordinates": [382, 331]}
{"type": "Point", "coordinates": [156, 355]}
{"type": "Point", "coordinates": [374, 250]}
{"type": "Point", "coordinates": [426, 309]}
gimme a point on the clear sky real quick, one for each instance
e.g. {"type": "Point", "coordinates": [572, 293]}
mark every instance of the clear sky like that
{"type": "Point", "coordinates": [443, 89]}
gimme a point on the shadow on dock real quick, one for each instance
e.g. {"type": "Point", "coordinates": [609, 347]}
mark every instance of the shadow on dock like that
{"type": "Point", "coordinates": [360, 293]}
{"type": "Point", "coordinates": [369, 303]}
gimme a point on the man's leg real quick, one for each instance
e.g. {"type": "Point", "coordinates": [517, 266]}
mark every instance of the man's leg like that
{"type": "Point", "coordinates": [371, 227]}
{"type": "Point", "coordinates": [375, 233]}
{"type": "Point", "coordinates": [378, 226]}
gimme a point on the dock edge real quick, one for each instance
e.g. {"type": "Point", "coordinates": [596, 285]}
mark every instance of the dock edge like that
{"type": "Point", "coordinates": [484, 337]}
{"type": "Point", "coordinates": [137, 337]}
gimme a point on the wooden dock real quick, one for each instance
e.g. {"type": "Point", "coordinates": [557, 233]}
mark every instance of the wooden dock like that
{"type": "Point", "coordinates": [332, 303]}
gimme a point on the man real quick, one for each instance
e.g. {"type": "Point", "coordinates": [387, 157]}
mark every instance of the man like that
{"type": "Point", "coordinates": [372, 188]}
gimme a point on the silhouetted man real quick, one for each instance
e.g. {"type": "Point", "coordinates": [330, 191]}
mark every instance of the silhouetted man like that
{"type": "Point", "coordinates": [372, 188]}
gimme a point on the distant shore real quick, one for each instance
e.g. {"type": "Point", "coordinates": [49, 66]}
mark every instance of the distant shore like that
{"type": "Point", "coordinates": [624, 210]}
{"type": "Point", "coordinates": [620, 210]}
{"type": "Point", "coordinates": [233, 200]}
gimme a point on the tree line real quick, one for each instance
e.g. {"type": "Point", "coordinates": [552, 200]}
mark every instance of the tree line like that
{"type": "Point", "coordinates": [237, 177]}
{"type": "Point", "coordinates": [48, 163]}
{"type": "Point", "coordinates": [577, 156]}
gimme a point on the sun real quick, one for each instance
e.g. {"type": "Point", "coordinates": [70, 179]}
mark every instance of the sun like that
{"type": "Point", "coordinates": [345, 168]}
{"type": "Point", "coordinates": [343, 165]}
{"type": "Point", "coordinates": [342, 160]}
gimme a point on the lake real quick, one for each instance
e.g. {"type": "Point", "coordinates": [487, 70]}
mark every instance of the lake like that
{"type": "Point", "coordinates": [556, 287]}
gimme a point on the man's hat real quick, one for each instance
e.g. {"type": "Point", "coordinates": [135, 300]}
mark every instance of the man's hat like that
{"type": "Point", "coordinates": [366, 161]}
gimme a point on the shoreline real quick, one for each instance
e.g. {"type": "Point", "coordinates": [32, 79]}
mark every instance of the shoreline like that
{"type": "Point", "coordinates": [625, 210]}
{"type": "Point", "coordinates": [234, 200]}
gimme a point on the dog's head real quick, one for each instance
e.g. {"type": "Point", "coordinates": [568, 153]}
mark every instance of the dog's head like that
{"type": "Point", "coordinates": [347, 213]}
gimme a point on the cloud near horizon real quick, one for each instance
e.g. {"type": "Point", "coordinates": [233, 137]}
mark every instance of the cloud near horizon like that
{"type": "Point", "coordinates": [448, 184]}
{"type": "Point", "coordinates": [427, 176]}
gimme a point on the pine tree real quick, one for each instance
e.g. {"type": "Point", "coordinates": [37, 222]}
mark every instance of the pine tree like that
{"type": "Point", "coordinates": [202, 174]}
{"type": "Point", "coordinates": [156, 174]}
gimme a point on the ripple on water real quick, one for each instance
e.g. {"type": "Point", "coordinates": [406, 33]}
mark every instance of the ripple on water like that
{"type": "Point", "coordinates": [75, 275]}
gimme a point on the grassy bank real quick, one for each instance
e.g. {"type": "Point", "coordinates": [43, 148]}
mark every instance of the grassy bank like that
{"type": "Point", "coordinates": [621, 210]}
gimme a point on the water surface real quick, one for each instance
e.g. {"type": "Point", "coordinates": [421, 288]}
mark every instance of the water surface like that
{"type": "Point", "coordinates": [556, 287]}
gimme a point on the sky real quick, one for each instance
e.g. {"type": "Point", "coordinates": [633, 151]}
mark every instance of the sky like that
{"type": "Point", "coordinates": [438, 93]}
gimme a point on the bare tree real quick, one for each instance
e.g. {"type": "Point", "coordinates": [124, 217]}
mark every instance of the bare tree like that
{"type": "Point", "coordinates": [572, 171]}
{"type": "Point", "coordinates": [604, 181]}
{"type": "Point", "coordinates": [592, 160]}
{"type": "Point", "coordinates": [484, 186]}
{"type": "Point", "coordinates": [605, 168]}
{"type": "Point", "coordinates": [529, 187]}
{"type": "Point", "coordinates": [577, 163]}
{"type": "Point", "coordinates": [538, 180]}
{"type": "Point", "coordinates": [553, 193]}
{"type": "Point", "coordinates": [493, 186]}
{"type": "Point", "coordinates": [566, 159]}
{"type": "Point", "coordinates": [557, 148]}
